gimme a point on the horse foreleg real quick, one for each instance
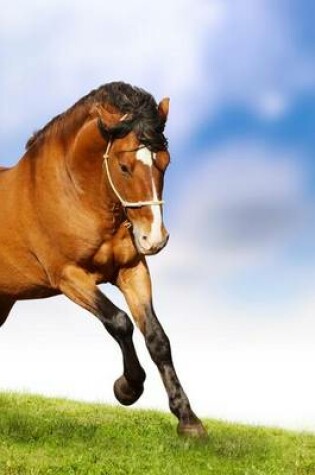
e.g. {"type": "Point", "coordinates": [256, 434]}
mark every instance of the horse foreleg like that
{"type": "Point", "coordinates": [80, 287]}
{"type": "Point", "coordinates": [135, 283]}
{"type": "Point", "coordinates": [5, 308]}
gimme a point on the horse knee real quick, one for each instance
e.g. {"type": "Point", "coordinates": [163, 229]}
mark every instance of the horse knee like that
{"type": "Point", "coordinates": [159, 347]}
{"type": "Point", "coordinates": [119, 325]}
{"type": "Point", "coordinates": [123, 324]}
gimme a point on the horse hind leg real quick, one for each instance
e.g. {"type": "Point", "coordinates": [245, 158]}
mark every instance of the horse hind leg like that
{"type": "Point", "coordinates": [5, 308]}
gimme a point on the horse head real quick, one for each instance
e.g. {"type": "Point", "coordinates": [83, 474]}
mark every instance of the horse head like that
{"type": "Point", "coordinates": [135, 161]}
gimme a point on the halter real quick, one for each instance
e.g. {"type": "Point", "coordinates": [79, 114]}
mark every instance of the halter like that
{"type": "Point", "coordinates": [125, 204]}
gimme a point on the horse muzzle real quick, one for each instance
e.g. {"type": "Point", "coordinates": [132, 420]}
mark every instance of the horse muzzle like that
{"type": "Point", "coordinates": [148, 244]}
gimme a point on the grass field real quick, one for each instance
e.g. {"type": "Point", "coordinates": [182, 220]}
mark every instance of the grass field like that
{"type": "Point", "coordinates": [51, 436]}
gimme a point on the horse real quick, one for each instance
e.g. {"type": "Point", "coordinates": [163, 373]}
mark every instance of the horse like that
{"type": "Point", "coordinates": [82, 207]}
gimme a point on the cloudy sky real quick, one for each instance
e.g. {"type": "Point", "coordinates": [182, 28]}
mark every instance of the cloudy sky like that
{"type": "Point", "coordinates": [235, 286]}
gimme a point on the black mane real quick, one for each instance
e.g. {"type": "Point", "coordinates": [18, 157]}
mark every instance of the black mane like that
{"type": "Point", "coordinates": [140, 106]}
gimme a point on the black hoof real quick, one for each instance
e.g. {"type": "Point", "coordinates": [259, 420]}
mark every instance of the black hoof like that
{"type": "Point", "coordinates": [125, 393]}
{"type": "Point", "coordinates": [195, 430]}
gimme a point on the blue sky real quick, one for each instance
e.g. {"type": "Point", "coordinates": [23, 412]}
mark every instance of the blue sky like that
{"type": "Point", "coordinates": [235, 286]}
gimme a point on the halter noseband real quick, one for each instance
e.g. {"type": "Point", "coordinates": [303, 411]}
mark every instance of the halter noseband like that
{"type": "Point", "coordinates": [125, 204]}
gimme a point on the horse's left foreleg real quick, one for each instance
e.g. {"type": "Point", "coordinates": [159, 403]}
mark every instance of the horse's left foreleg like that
{"type": "Point", "coordinates": [80, 287]}
{"type": "Point", "coordinates": [135, 283]}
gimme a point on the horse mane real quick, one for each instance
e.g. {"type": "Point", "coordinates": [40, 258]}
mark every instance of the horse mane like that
{"type": "Point", "coordinates": [141, 107]}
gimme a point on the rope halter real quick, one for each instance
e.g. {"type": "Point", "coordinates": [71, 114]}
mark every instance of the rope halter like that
{"type": "Point", "coordinates": [124, 203]}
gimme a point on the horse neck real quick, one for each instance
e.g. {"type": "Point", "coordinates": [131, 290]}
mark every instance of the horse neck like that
{"type": "Point", "coordinates": [84, 164]}
{"type": "Point", "coordinates": [66, 169]}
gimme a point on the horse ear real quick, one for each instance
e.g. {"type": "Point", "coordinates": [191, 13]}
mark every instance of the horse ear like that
{"type": "Point", "coordinates": [163, 108]}
{"type": "Point", "coordinates": [108, 116]}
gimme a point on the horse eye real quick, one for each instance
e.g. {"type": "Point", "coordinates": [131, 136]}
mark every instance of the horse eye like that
{"type": "Point", "coordinates": [124, 168]}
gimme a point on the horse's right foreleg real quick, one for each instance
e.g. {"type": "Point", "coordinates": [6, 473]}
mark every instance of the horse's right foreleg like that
{"type": "Point", "coordinates": [5, 307]}
{"type": "Point", "coordinates": [80, 287]}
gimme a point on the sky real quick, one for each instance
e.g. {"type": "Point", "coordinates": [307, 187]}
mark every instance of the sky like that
{"type": "Point", "coordinates": [234, 288]}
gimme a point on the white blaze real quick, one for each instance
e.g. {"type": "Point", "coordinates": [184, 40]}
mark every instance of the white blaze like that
{"type": "Point", "coordinates": [155, 237]}
{"type": "Point", "coordinates": [145, 156]}
{"type": "Point", "coordinates": [156, 226]}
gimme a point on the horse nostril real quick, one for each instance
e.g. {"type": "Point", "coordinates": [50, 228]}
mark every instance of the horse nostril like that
{"type": "Point", "coordinates": [144, 238]}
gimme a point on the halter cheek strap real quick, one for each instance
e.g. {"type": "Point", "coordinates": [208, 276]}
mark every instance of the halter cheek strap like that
{"type": "Point", "coordinates": [125, 204]}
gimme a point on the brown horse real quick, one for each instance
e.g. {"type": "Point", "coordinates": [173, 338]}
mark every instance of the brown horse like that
{"type": "Point", "coordinates": [82, 207]}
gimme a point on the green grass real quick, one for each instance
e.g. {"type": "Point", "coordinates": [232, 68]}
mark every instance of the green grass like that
{"type": "Point", "coordinates": [50, 436]}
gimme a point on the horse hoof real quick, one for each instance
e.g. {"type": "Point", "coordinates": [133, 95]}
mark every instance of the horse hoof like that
{"type": "Point", "coordinates": [195, 430]}
{"type": "Point", "coordinates": [125, 393]}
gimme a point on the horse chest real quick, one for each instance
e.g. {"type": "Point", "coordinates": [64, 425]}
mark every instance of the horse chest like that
{"type": "Point", "coordinates": [115, 253]}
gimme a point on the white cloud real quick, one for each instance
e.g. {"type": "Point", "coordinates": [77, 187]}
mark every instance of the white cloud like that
{"type": "Point", "coordinates": [272, 105]}
{"type": "Point", "coordinates": [243, 205]}
{"type": "Point", "coordinates": [159, 47]}
{"type": "Point", "coordinates": [204, 54]}
{"type": "Point", "coordinates": [254, 55]}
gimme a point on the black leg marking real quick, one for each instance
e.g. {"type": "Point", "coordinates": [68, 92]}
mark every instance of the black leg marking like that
{"type": "Point", "coordinates": [159, 348]}
{"type": "Point", "coordinates": [129, 387]}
